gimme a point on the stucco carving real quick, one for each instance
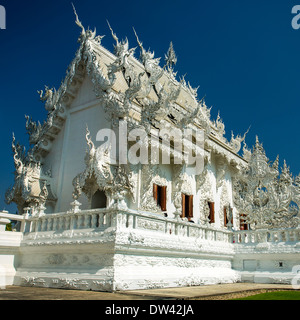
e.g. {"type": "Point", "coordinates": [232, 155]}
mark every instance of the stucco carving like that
{"type": "Point", "coordinates": [151, 174]}
{"type": "Point", "coordinates": [225, 203]}
{"type": "Point", "coordinates": [32, 186]}
{"type": "Point", "coordinates": [101, 174]}
{"type": "Point", "coordinates": [206, 194]}
{"type": "Point", "coordinates": [266, 198]}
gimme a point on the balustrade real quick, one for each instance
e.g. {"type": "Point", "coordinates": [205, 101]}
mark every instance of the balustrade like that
{"type": "Point", "coordinates": [132, 219]}
{"type": "Point", "coordinates": [129, 219]}
{"type": "Point", "coordinates": [65, 221]}
{"type": "Point", "coordinates": [260, 236]}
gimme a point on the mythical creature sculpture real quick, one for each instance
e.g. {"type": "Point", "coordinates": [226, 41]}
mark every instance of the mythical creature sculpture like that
{"type": "Point", "coordinates": [50, 97]}
{"type": "Point", "coordinates": [34, 130]}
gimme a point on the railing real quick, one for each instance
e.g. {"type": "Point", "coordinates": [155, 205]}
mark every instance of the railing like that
{"type": "Point", "coordinates": [139, 220]}
{"type": "Point", "coordinates": [127, 219]}
{"type": "Point", "coordinates": [145, 221]}
{"type": "Point", "coordinates": [98, 218]}
{"type": "Point", "coordinates": [260, 236]}
{"type": "Point", "coordinates": [6, 218]}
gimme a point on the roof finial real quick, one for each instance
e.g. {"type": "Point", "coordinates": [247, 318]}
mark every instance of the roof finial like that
{"type": "Point", "coordinates": [77, 20]}
{"type": "Point", "coordinates": [137, 39]}
{"type": "Point", "coordinates": [112, 33]}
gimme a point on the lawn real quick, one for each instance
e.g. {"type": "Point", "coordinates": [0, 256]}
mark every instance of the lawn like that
{"type": "Point", "coordinates": [275, 295]}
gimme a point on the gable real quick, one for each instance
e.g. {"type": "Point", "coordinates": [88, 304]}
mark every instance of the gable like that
{"type": "Point", "coordinates": [85, 94]}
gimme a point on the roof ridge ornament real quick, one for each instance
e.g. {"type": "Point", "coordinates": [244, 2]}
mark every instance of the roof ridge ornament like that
{"type": "Point", "coordinates": [86, 34]}
{"type": "Point", "coordinates": [236, 142]}
{"type": "Point", "coordinates": [77, 21]}
{"type": "Point", "coordinates": [121, 47]}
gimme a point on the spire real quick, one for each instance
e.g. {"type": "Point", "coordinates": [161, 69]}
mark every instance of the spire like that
{"type": "Point", "coordinates": [276, 163]}
{"type": "Point", "coordinates": [256, 141]}
{"type": "Point", "coordinates": [258, 146]}
{"type": "Point", "coordinates": [170, 57]}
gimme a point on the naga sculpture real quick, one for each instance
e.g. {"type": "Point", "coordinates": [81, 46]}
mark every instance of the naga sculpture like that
{"type": "Point", "coordinates": [50, 97]}
{"type": "Point", "coordinates": [33, 129]}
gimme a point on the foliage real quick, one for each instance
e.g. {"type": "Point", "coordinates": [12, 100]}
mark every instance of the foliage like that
{"type": "Point", "coordinates": [8, 227]}
{"type": "Point", "coordinates": [276, 295]}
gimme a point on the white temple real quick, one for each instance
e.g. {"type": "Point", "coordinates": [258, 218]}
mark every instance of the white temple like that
{"type": "Point", "coordinates": [109, 214]}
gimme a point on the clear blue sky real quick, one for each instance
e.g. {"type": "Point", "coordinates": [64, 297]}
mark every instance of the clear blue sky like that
{"type": "Point", "coordinates": [245, 56]}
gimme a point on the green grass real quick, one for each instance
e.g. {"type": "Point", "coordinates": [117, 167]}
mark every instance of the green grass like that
{"type": "Point", "coordinates": [275, 295]}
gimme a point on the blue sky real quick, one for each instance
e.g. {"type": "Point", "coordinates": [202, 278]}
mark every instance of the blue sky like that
{"type": "Point", "coordinates": [245, 56]}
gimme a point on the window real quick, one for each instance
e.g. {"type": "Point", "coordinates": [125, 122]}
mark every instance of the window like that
{"type": "Point", "coordinates": [211, 216]}
{"type": "Point", "coordinates": [187, 206]}
{"type": "Point", "coordinates": [160, 196]}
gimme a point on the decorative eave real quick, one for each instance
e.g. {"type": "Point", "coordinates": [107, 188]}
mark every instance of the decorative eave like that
{"type": "Point", "coordinates": [57, 103]}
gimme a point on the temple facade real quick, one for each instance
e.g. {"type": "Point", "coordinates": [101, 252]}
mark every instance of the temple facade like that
{"type": "Point", "coordinates": [129, 184]}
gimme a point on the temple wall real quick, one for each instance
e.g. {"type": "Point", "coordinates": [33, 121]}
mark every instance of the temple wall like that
{"type": "Point", "coordinates": [130, 250]}
{"type": "Point", "coordinates": [69, 266]}
{"type": "Point", "coordinates": [268, 262]}
{"type": "Point", "coordinates": [53, 162]}
{"type": "Point", "coordinates": [84, 111]}
{"type": "Point", "coordinates": [111, 250]}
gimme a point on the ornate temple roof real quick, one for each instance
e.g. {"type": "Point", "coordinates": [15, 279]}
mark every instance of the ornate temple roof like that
{"type": "Point", "coordinates": [138, 89]}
